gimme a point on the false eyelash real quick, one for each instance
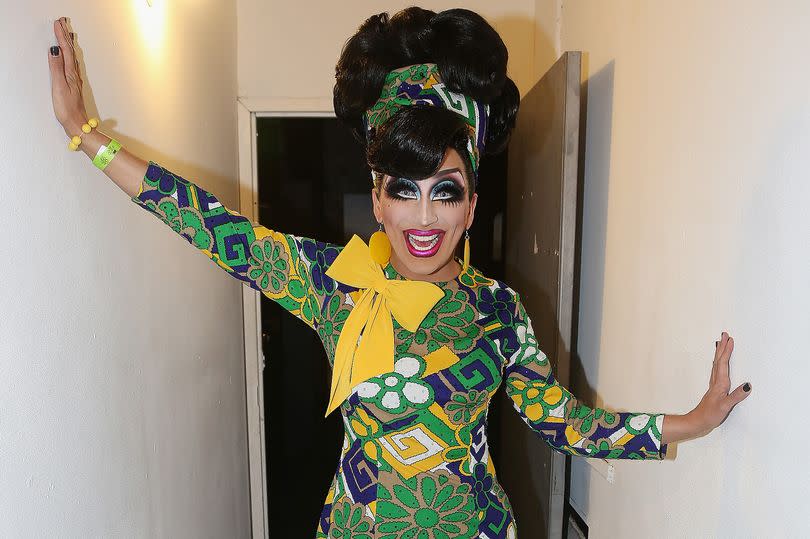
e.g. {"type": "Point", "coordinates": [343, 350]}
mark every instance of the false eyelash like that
{"type": "Point", "coordinates": [451, 188]}
{"type": "Point", "coordinates": [397, 185]}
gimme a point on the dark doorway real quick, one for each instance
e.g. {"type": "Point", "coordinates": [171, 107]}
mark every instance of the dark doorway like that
{"type": "Point", "coordinates": [314, 182]}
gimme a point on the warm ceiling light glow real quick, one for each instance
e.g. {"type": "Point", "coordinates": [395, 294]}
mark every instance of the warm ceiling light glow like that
{"type": "Point", "coordinates": [151, 17]}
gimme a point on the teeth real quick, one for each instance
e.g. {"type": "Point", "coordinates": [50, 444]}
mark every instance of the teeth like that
{"type": "Point", "coordinates": [417, 242]}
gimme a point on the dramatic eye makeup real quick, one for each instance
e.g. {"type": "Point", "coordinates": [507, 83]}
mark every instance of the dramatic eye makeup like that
{"type": "Point", "coordinates": [447, 190]}
{"type": "Point", "coordinates": [402, 189]}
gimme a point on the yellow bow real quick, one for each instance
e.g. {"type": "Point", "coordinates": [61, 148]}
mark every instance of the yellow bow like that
{"type": "Point", "coordinates": [408, 301]}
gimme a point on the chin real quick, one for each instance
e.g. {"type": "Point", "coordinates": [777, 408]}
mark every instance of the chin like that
{"type": "Point", "coordinates": [425, 266]}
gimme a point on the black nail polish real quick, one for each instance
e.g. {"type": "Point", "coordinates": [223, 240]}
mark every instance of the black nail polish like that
{"type": "Point", "coordinates": [746, 387]}
{"type": "Point", "coordinates": [716, 343]}
{"type": "Point", "coordinates": [54, 51]}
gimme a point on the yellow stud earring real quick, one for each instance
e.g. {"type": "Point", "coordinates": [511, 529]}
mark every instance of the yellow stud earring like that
{"type": "Point", "coordinates": [380, 247]}
{"type": "Point", "coordinates": [466, 250]}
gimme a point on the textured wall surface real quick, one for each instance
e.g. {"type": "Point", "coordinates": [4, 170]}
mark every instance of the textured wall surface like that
{"type": "Point", "coordinates": [695, 221]}
{"type": "Point", "coordinates": [122, 404]}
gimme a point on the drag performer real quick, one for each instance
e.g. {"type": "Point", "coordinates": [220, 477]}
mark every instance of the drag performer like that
{"type": "Point", "coordinates": [418, 339]}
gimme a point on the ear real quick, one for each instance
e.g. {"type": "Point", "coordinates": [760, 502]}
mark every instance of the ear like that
{"type": "Point", "coordinates": [471, 214]}
{"type": "Point", "coordinates": [376, 205]}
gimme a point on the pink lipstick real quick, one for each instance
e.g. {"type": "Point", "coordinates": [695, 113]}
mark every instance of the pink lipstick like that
{"type": "Point", "coordinates": [423, 243]}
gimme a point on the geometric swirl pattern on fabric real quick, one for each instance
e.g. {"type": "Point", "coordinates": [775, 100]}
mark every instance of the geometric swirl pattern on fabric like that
{"type": "Point", "coordinates": [415, 460]}
{"type": "Point", "coordinates": [279, 265]}
{"type": "Point", "coordinates": [422, 85]}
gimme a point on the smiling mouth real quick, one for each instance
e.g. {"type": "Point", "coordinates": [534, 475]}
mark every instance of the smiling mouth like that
{"type": "Point", "coordinates": [423, 243]}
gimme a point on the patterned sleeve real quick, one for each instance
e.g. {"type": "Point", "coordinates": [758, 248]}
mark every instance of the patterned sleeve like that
{"type": "Point", "coordinates": [285, 268]}
{"type": "Point", "coordinates": [561, 420]}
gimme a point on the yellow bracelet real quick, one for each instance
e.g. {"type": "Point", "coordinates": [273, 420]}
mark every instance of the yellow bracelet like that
{"type": "Point", "coordinates": [76, 140]}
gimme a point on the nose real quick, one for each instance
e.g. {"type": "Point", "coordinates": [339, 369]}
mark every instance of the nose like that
{"type": "Point", "coordinates": [427, 213]}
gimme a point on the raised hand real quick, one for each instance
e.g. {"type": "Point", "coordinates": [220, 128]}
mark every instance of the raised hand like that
{"type": "Point", "coordinates": [66, 80]}
{"type": "Point", "coordinates": [126, 170]}
{"type": "Point", "coordinates": [717, 403]}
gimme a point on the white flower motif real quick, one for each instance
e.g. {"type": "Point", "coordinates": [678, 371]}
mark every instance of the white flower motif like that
{"type": "Point", "coordinates": [416, 393]}
{"type": "Point", "coordinates": [407, 366]}
{"type": "Point", "coordinates": [390, 400]}
{"type": "Point", "coordinates": [400, 389]}
{"type": "Point", "coordinates": [367, 390]}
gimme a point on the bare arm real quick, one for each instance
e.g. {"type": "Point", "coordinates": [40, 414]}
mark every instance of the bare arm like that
{"type": "Point", "coordinates": [679, 427]}
{"type": "Point", "coordinates": [715, 405]}
{"type": "Point", "coordinates": [126, 170]}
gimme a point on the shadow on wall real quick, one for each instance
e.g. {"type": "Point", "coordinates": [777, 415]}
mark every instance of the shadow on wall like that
{"type": "Point", "coordinates": [596, 120]}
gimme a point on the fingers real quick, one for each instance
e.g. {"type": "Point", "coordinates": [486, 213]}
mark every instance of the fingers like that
{"type": "Point", "coordinates": [71, 68]}
{"type": "Point", "coordinates": [721, 345]}
{"type": "Point", "coordinates": [723, 379]}
{"type": "Point", "coordinates": [739, 394]}
{"type": "Point", "coordinates": [718, 352]}
{"type": "Point", "coordinates": [56, 63]}
{"type": "Point", "coordinates": [722, 354]}
{"type": "Point", "coordinates": [71, 46]}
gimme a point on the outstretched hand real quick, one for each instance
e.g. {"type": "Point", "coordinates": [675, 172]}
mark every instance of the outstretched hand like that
{"type": "Point", "coordinates": [66, 80]}
{"type": "Point", "coordinates": [717, 403]}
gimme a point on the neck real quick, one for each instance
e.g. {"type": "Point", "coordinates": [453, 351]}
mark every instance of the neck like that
{"type": "Point", "coordinates": [448, 272]}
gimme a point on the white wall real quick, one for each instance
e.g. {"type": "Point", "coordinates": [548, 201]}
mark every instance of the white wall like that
{"type": "Point", "coordinates": [121, 377]}
{"type": "Point", "coordinates": [289, 49]}
{"type": "Point", "coordinates": [122, 405]}
{"type": "Point", "coordinates": [696, 221]}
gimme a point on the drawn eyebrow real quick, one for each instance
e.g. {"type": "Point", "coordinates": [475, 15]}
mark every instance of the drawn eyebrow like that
{"type": "Point", "coordinates": [445, 175]}
{"type": "Point", "coordinates": [400, 180]}
{"type": "Point", "coordinates": [446, 172]}
{"type": "Point", "coordinates": [448, 180]}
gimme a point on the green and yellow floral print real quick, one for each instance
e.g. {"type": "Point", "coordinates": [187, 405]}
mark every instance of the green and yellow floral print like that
{"type": "Point", "coordinates": [415, 462]}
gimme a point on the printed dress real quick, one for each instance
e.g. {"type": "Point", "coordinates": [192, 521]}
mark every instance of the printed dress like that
{"type": "Point", "coordinates": [415, 462]}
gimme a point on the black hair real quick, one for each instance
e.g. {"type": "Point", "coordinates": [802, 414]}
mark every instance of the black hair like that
{"type": "Point", "coordinates": [471, 58]}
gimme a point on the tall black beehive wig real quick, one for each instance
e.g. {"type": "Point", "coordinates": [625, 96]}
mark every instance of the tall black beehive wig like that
{"type": "Point", "coordinates": [471, 58]}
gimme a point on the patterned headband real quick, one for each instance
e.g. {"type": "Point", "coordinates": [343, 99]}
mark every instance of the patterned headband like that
{"type": "Point", "coordinates": [421, 84]}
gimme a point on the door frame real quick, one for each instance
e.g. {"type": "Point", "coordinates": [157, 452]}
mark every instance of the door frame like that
{"type": "Point", "coordinates": [247, 111]}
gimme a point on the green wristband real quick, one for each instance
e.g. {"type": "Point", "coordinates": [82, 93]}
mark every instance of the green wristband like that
{"type": "Point", "coordinates": [106, 154]}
